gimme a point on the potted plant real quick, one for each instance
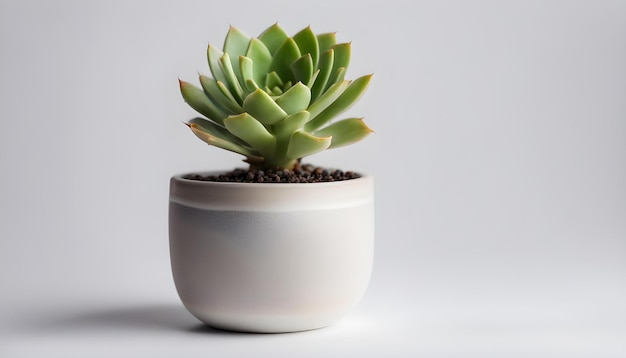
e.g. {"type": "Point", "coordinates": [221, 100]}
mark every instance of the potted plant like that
{"type": "Point", "coordinates": [279, 246]}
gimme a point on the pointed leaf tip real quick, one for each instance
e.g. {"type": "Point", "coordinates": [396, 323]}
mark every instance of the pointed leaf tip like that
{"type": "Point", "coordinates": [199, 101]}
{"type": "Point", "coordinates": [345, 132]}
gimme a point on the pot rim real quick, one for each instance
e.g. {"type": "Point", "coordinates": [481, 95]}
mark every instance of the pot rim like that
{"type": "Point", "coordinates": [181, 178]}
{"type": "Point", "coordinates": [235, 196]}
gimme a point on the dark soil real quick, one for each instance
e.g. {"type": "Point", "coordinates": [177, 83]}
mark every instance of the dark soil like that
{"type": "Point", "coordinates": [305, 173]}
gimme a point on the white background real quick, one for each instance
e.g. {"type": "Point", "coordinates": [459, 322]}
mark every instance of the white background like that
{"type": "Point", "coordinates": [499, 158]}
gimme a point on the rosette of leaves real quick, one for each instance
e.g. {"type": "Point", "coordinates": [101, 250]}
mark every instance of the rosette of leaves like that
{"type": "Point", "coordinates": [273, 98]}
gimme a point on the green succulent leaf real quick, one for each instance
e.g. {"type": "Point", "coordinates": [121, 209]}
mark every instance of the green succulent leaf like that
{"type": "Point", "coordinates": [296, 99]}
{"type": "Point", "coordinates": [262, 107]}
{"type": "Point", "coordinates": [307, 43]}
{"type": "Point", "coordinates": [273, 98]}
{"type": "Point", "coordinates": [303, 144]}
{"type": "Point", "coordinates": [273, 80]}
{"type": "Point", "coordinates": [327, 98]}
{"type": "Point", "coordinates": [276, 91]}
{"type": "Point", "coordinates": [213, 57]}
{"type": "Point", "coordinates": [341, 60]}
{"type": "Point", "coordinates": [213, 91]}
{"type": "Point", "coordinates": [313, 78]}
{"type": "Point", "coordinates": [326, 41]}
{"type": "Point", "coordinates": [344, 132]}
{"type": "Point", "coordinates": [198, 100]}
{"type": "Point", "coordinates": [247, 73]}
{"type": "Point", "coordinates": [350, 96]}
{"type": "Point", "coordinates": [273, 37]}
{"type": "Point", "coordinates": [291, 124]}
{"type": "Point", "coordinates": [231, 78]}
{"type": "Point", "coordinates": [216, 131]}
{"type": "Point", "coordinates": [235, 45]}
{"type": "Point", "coordinates": [226, 92]}
{"type": "Point", "coordinates": [252, 132]}
{"type": "Point", "coordinates": [215, 137]}
{"type": "Point", "coordinates": [261, 57]}
{"type": "Point", "coordinates": [340, 74]}
{"type": "Point", "coordinates": [251, 84]}
{"type": "Point", "coordinates": [302, 69]}
{"type": "Point", "coordinates": [325, 66]}
{"type": "Point", "coordinates": [286, 54]}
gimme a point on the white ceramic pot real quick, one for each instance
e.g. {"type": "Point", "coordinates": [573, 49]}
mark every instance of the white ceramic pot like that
{"type": "Point", "coordinates": [271, 257]}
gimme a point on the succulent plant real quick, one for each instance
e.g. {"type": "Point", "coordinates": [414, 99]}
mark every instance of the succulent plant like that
{"type": "Point", "coordinates": [273, 98]}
